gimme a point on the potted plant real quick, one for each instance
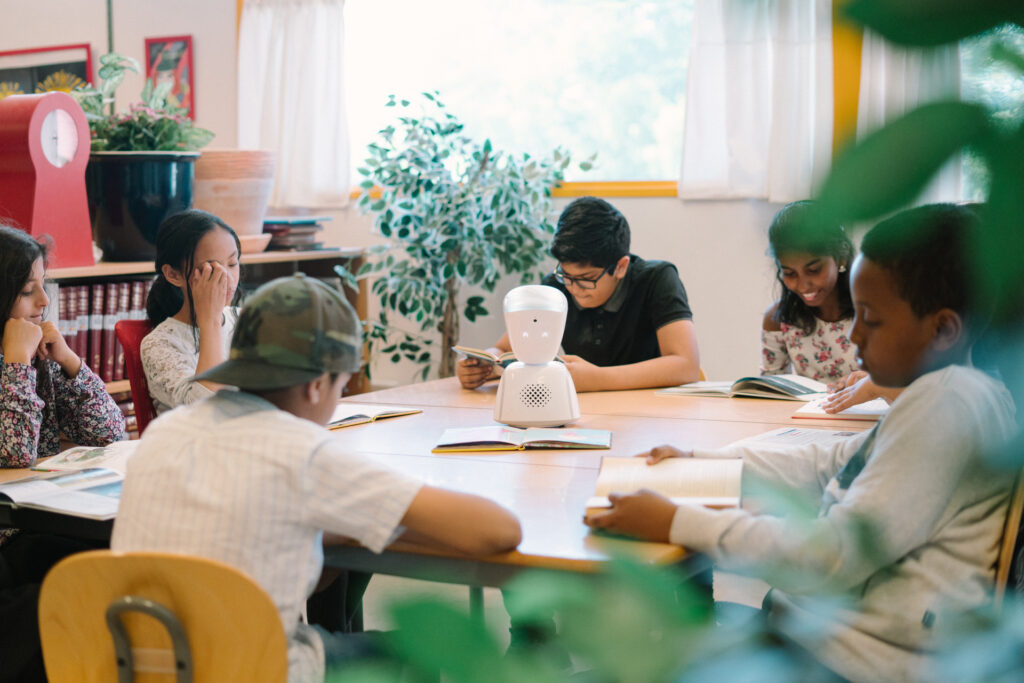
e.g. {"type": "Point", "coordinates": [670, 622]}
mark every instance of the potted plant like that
{"type": "Point", "coordinates": [455, 212]}
{"type": "Point", "coordinates": [141, 166]}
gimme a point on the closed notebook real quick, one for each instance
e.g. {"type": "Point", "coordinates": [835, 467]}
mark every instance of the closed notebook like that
{"type": "Point", "coordinates": [869, 411]}
{"type": "Point", "coordinates": [349, 414]}
{"type": "Point", "coordinates": [498, 438]}
{"type": "Point", "coordinates": [711, 482]}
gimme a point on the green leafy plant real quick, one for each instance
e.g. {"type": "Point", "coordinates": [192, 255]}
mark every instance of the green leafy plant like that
{"type": "Point", "coordinates": [153, 124]}
{"type": "Point", "coordinates": [455, 212]}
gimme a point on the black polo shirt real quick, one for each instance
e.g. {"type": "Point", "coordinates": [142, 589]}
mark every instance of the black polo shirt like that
{"type": "Point", "coordinates": [625, 329]}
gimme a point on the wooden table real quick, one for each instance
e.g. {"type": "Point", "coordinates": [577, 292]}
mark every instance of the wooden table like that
{"type": "Point", "coordinates": [547, 490]}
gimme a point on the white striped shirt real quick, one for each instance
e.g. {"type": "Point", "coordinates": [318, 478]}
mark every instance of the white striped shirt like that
{"type": "Point", "coordinates": [237, 480]}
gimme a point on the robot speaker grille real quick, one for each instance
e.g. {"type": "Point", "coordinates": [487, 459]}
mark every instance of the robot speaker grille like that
{"type": "Point", "coordinates": [535, 395]}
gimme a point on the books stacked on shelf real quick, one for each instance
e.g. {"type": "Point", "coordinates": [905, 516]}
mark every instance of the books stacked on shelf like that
{"type": "Point", "coordinates": [86, 315]}
{"type": "Point", "coordinates": [293, 233]}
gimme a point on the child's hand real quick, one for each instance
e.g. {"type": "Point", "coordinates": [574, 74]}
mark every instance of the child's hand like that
{"type": "Point", "coordinates": [861, 390]}
{"type": "Point", "coordinates": [54, 346]}
{"type": "Point", "coordinates": [659, 453]}
{"type": "Point", "coordinates": [847, 381]}
{"type": "Point", "coordinates": [585, 375]}
{"type": "Point", "coordinates": [21, 340]}
{"type": "Point", "coordinates": [211, 287]}
{"type": "Point", "coordinates": [645, 515]}
{"type": "Point", "coordinates": [473, 372]}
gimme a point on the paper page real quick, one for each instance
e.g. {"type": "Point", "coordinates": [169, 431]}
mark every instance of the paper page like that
{"type": "Point", "coordinates": [113, 457]}
{"type": "Point", "coordinates": [474, 435]}
{"type": "Point", "coordinates": [700, 388]}
{"type": "Point", "coordinates": [675, 477]}
{"type": "Point", "coordinates": [793, 436]}
{"type": "Point", "coordinates": [538, 436]}
{"type": "Point", "coordinates": [871, 410]}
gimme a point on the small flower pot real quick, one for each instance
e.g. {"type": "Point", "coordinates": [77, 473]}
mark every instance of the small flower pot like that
{"type": "Point", "coordinates": [131, 193]}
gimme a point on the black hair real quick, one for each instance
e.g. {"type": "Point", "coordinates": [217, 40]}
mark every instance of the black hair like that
{"type": "Point", "coordinates": [800, 228]}
{"type": "Point", "coordinates": [927, 251]}
{"type": "Point", "coordinates": [18, 253]}
{"type": "Point", "coordinates": [591, 231]}
{"type": "Point", "coordinates": [176, 242]}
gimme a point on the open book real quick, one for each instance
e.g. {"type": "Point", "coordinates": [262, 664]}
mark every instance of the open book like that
{"type": "Point", "coordinates": [348, 414]}
{"type": "Point", "coordinates": [787, 437]}
{"type": "Point", "coordinates": [498, 438]}
{"type": "Point", "coordinates": [712, 482]}
{"type": "Point", "coordinates": [789, 387]}
{"type": "Point", "coordinates": [869, 411]}
{"type": "Point", "coordinates": [113, 457]}
{"type": "Point", "coordinates": [504, 360]}
{"type": "Point", "coordinates": [92, 493]}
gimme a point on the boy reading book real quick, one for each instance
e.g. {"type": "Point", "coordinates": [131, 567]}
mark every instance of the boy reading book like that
{"type": "Point", "coordinates": [909, 514]}
{"type": "Point", "coordinates": [629, 324]}
{"type": "Point", "coordinates": [252, 478]}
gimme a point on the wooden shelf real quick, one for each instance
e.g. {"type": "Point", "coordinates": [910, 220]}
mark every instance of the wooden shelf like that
{"type": "Point", "coordinates": [118, 386]}
{"type": "Point", "coordinates": [112, 269]}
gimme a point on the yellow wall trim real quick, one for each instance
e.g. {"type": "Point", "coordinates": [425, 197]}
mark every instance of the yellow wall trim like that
{"type": "Point", "coordinates": [647, 188]}
{"type": "Point", "coordinates": [846, 57]}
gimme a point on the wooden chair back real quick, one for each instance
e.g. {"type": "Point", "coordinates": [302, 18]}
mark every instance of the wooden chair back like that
{"type": "Point", "coordinates": [230, 626]}
{"type": "Point", "coordinates": [130, 334]}
{"type": "Point", "coordinates": [1011, 540]}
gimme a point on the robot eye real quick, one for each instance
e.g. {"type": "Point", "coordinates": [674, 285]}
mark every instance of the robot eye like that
{"type": "Point", "coordinates": [534, 320]}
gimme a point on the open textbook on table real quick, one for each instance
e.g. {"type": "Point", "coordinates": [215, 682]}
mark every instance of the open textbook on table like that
{"type": "Point", "coordinates": [788, 387]}
{"type": "Point", "coordinates": [500, 438]}
{"type": "Point", "coordinates": [92, 493]}
{"type": "Point", "coordinates": [349, 414]}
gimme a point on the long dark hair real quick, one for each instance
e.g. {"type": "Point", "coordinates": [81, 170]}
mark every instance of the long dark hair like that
{"type": "Point", "coordinates": [176, 242]}
{"type": "Point", "coordinates": [18, 252]}
{"type": "Point", "coordinates": [799, 227]}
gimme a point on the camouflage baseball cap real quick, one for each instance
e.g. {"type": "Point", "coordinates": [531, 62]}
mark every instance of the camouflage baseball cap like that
{"type": "Point", "coordinates": [290, 331]}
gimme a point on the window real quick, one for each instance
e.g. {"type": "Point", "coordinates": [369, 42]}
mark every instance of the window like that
{"type": "Point", "coordinates": [594, 76]}
{"type": "Point", "coordinates": [995, 84]}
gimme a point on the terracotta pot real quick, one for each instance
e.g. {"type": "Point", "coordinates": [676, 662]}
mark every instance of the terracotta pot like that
{"type": "Point", "coordinates": [235, 185]}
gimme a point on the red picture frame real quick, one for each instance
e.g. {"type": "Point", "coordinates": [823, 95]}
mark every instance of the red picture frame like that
{"type": "Point", "coordinates": [171, 59]}
{"type": "Point", "coordinates": [41, 69]}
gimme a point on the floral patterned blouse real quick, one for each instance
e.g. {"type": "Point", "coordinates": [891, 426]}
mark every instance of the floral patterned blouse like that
{"type": "Point", "coordinates": [38, 405]}
{"type": "Point", "coordinates": [826, 354]}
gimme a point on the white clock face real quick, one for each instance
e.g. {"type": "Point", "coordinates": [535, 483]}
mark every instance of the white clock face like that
{"type": "Point", "coordinates": [59, 137]}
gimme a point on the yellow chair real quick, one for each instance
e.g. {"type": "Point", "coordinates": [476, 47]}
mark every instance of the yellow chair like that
{"type": "Point", "coordinates": [1011, 532]}
{"type": "Point", "coordinates": [109, 616]}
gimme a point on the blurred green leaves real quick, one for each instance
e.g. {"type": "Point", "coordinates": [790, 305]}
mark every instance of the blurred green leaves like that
{"type": "Point", "coordinates": [932, 22]}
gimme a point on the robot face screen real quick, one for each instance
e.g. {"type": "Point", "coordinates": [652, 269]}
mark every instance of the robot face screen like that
{"type": "Point", "coordinates": [535, 320]}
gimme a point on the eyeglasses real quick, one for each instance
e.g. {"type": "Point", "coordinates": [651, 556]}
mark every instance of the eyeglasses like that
{"type": "Point", "coordinates": [581, 282]}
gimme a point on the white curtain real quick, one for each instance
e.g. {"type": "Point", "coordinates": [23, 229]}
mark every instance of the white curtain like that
{"type": "Point", "coordinates": [291, 97]}
{"type": "Point", "coordinates": [758, 100]}
{"type": "Point", "coordinates": [894, 81]}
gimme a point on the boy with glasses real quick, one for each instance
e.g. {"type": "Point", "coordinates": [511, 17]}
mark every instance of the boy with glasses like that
{"type": "Point", "coordinates": [629, 324]}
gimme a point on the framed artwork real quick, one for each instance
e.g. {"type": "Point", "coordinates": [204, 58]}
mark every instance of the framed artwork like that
{"type": "Point", "coordinates": [41, 69]}
{"type": "Point", "coordinates": [170, 60]}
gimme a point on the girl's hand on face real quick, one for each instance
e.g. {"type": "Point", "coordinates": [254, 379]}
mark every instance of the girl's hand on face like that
{"type": "Point", "coordinates": [211, 283]}
{"type": "Point", "coordinates": [21, 340]}
{"type": "Point", "coordinates": [54, 346]}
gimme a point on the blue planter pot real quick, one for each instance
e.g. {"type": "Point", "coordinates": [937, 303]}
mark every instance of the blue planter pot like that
{"type": "Point", "coordinates": [131, 193]}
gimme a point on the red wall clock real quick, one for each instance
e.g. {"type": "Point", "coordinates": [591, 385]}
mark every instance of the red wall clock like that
{"type": "Point", "coordinates": [44, 147]}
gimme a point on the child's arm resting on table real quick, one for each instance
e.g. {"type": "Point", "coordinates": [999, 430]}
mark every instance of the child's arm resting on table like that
{"type": "Point", "coordinates": [469, 524]}
{"type": "Point", "coordinates": [678, 363]}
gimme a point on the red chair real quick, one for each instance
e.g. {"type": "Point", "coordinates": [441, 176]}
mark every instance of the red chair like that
{"type": "Point", "coordinates": [130, 334]}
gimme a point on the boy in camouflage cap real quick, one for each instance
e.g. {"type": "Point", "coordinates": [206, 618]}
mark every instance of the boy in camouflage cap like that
{"type": "Point", "coordinates": [253, 479]}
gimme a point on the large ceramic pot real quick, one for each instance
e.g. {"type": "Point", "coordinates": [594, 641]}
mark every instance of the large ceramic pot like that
{"type": "Point", "coordinates": [131, 193]}
{"type": "Point", "coordinates": [235, 185]}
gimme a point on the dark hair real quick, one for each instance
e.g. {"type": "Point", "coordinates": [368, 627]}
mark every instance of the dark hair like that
{"type": "Point", "coordinates": [799, 228]}
{"type": "Point", "coordinates": [18, 252]}
{"type": "Point", "coordinates": [590, 230]}
{"type": "Point", "coordinates": [926, 250]}
{"type": "Point", "coordinates": [176, 242]}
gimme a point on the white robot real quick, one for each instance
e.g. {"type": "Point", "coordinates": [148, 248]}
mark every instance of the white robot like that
{"type": "Point", "coordinates": [536, 390]}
